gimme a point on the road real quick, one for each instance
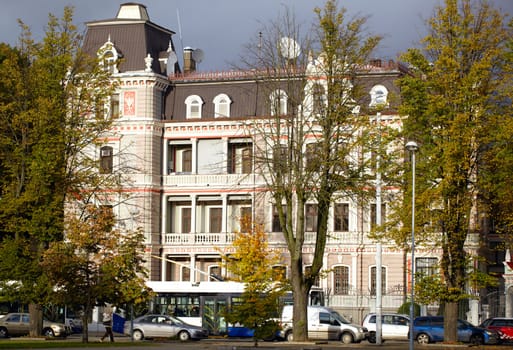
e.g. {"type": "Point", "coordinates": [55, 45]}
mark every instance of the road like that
{"type": "Point", "coordinates": [246, 344]}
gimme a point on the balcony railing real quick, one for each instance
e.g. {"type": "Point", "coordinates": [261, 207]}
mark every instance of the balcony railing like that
{"type": "Point", "coordinates": [225, 180]}
{"type": "Point", "coordinates": [203, 238]}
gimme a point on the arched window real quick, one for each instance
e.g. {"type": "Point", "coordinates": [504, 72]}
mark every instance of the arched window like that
{"type": "Point", "coordinates": [222, 106]}
{"type": "Point", "coordinates": [373, 279]}
{"type": "Point", "coordinates": [194, 106]}
{"type": "Point", "coordinates": [378, 95]}
{"type": "Point", "coordinates": [109, 57]}
{"type": "Point", "coordinates": [278, 102]}
{"type": "Point", "coordinates": [106, 162]}
{"type": "Point", "coordinates": [341, 280]}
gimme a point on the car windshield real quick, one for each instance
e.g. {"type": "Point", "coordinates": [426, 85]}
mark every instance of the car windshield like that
{"type": "Point", "coordinates": [465, 323]}
{"type": "Point", "coordinates": [339, 317]}
{"type": "Point", "coordinates": [176, 320]}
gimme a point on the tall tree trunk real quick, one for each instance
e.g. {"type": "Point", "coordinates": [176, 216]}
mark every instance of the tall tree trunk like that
{"type": "Point", "coordinates": [300, 295]}
{"type": "Point", "coordinates": [36, 320]}
{"type": "Point", "coordinates": [451, 322]}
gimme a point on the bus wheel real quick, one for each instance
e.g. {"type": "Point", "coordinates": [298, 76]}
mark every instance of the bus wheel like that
{"type": "Point", "coordinates": [289, 336]}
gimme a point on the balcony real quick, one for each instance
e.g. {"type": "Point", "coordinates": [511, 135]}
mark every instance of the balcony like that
{"type": "Point", "coordinates": [274, 238]}
{"type": "Point", "coordinates": [212, 180]}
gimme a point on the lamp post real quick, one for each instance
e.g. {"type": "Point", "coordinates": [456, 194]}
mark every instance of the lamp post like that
{"type": "Point", "coordinates": [412, 147]}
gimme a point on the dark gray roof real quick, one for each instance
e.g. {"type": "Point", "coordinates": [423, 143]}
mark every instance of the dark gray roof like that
{"type": "Point", "coordinates": [134, 38]}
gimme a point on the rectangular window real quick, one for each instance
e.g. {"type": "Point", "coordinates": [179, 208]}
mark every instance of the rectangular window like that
{"type": "Point", "coordinates": [426, 266]}
{"type": "Point", "coordinates": [180, 159]}
{"type": "Point", "coordinates": [308, 270]}
{"type": "Point", "coordinates": [240, 158]}
{"type": "Point", "coordinates": [341, 280]}
{"type": "Point", "coordinates": [186, 220]}
{"type": "Point", "coordinates": [215, 217]}
{"type": "Point", "coordinates": [280, 158]}
{"type": "Point", "coordinates": [114, 106]}
{"type": "Point", "coordinates": [311, 218]}
{"type": "Point", "coordinates": [373, 280]}
{"type": "Point", "coordinates": [186, 273]}
{"type": "Point", "coordinates": [312, 156]}
{"type": "Point", "coordinates": [106, 160]}
{"type": "Point", "coordinates": [341, 217]}
{"type": "Point", "coordinates": [276, 225]}
{"type": "Point", "coordinates": [373, 215]}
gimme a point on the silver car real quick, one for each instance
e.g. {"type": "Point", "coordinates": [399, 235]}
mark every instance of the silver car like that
{"type": "Point", "coordinates": [163, 326]}
{"type": "Point", "coordinates": [17, 323]}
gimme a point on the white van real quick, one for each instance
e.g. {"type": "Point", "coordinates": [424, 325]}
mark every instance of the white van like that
{"type": "Point", "coordinates": [324, 323]}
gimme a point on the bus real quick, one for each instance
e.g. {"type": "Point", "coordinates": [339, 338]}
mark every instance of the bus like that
{"type": "Point", "coordinates": [204, 303]}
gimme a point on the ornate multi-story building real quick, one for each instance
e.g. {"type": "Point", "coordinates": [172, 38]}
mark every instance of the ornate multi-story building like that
{"type": "Point", "coordinates": [187, 139]}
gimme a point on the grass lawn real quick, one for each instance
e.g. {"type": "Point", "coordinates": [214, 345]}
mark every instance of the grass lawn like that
{"type": "Point", "coordinates": [21, 343]}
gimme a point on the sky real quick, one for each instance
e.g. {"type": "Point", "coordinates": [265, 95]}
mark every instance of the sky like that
{"type": "Point", "coordinates": [221, 28]}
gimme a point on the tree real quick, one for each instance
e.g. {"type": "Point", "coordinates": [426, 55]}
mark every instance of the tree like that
{"type": "Point", "coordinates": [451, 102]}
{"type": "Point", "coordinates": [252, 263]}
{"type": "Point", "coordinates": [47, 91]}
{"type": "Point", "coordinates": [310, 149]}
{"type": "Point", "coordinates": [96, 264]}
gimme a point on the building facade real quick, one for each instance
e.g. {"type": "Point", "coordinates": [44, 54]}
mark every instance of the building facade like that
{"type": "Point", "coordinates": [188, 140]}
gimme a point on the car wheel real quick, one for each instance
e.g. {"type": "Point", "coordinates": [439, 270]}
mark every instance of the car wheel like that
{"type": "Point", "coordinates": [372, 337]}
{"type": "Point", "coordinates": [477, 339]}
{"type": "Point", "coordinates": [289, 336]}
{"type": "Point", "coordinates": [3, 332]}
{"type": "Point", "coordinates": [347, 338]}
{"type": "Point", "coordinates": [423, 338]}
{"type": "Point", "coordinates": [48, 332]}
{"type": "Point", "coordinates": [138, 335]}
{"type": "Point", "coordinates": [184, 336]}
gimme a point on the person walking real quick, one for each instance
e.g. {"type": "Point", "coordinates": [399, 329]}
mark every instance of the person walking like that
{"type": "Point", "coordinates": [107, 322]}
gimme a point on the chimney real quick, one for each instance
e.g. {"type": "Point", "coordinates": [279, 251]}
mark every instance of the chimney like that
{"type": "Point", "coordinates": [189, 65]}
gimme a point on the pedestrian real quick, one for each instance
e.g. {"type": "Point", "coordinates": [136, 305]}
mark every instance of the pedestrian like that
{"type": "Point", "coordinates": [107, 322]}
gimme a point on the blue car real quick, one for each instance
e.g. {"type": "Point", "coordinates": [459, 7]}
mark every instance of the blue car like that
{"type": "Point", "coordinates": [430, 329]}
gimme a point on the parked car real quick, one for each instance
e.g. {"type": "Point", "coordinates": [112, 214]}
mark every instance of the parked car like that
{"type": "Point", "coordinates": [502, 325]}
{"type": "Point", "coordinates": [17, 323]}
{"type": "Point", "coordinates": [163, 326]}
{"type": "Point", "coordinates": [430, 329]}
{"type": "Point", "coordinates": [393, 326]}
{"type": "Point", "coordinates": [323, 323]}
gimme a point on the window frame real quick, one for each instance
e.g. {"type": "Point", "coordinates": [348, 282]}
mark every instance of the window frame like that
{"type": "Point", "coordinates": [222, 101]}
{"type": "Point", "coordinates": [106, 160]}
{"type": "Point", "coordinates": [344, 283]}
{"type": "Point", "coordinates": [281, 97]}
{"type": "Point", "coordinates": [191, 102]}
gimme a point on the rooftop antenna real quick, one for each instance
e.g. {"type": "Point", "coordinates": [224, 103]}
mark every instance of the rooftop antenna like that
{"type": "Point", "coordinates": [179, 28]}
{"type": "Point", "coordinates": [197, 56]}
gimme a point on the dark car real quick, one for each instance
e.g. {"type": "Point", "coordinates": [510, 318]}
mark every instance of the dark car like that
{"type": "Point", "coordinates": [430, 329]}
{"type": "Point", "coordinates": [502, 325]}
{"type": "Point", "coordinates": [164, 326]}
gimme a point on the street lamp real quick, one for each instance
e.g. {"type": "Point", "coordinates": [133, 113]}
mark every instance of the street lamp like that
{"type": "Point", "coordinates": [412, 147]}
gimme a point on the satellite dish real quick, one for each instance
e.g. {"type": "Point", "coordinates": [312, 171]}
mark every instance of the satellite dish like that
{"type": "Point", "coordinates": [197, 55]}
{"type": "Point", "coordinates": [171, 60]}
{"type": "Point", "coordinates": [289, 48]}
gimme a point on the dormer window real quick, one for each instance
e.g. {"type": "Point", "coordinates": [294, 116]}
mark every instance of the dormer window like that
{"type": "Point", "coordinates": [194, 105]}
{"type": "Point", "coordinates": [109, 57]}
{"type": "Point", "coordinates": [378, 95]}
{"type": "Point", "coordinates": [222, 106]}
{"type": "Point", "coordinates": [278, 102]}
